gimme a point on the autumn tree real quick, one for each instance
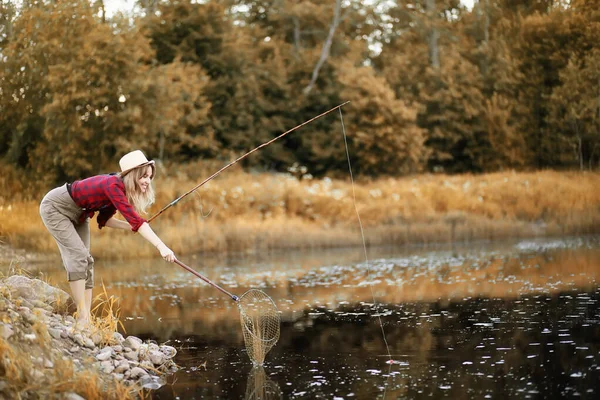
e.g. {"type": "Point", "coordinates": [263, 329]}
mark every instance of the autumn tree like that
{"type": "Point", "coordinates": [78, 91]}
{"type": "Point", "coordinates": [382, 132]}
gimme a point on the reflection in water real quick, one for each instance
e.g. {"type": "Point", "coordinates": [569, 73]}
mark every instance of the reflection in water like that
{"type": "Point", "coordinates": [260, 387]}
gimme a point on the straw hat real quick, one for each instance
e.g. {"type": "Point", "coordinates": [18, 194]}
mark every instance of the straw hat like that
{"type": "Point", "coordinates": [133, 160]}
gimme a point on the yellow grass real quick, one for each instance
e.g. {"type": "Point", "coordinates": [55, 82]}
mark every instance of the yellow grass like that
{"type": "Point", "coordinates": [240, 211]}
{"type": "Point", "coordinates": [105, 318]}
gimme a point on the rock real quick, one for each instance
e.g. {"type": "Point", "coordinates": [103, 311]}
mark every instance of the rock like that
{"type": "Point", "coordinates": [74, 349]}
{"type": "Point", "coordinates": [143, 351]}
{"type": "Point", "coordinates": [96, 338]}
{"type": "Point", "coordinates": [117, 348]}
{"type": "Point", "coordinates": [118, 377]}
{"type": "Point", "coordinates": [122, 367]}
{"type": "Point", "coordinates": [41, 305]}
{"type": "Point", "coordinates": [104, 354]}
{"type": "Point", "coordinates": [35, 289]}
{"type": "Point", "coordinates": [55, 333]}
{"type": "Point", "coordinates": [77, 338]}
{"type": "Point", "coordinates": [151, 382]}
{"type": "Point", "coordinates": [107, 366]}
{"type": "Point", "coordinates": [30, 337]}
{"type": "Point", "coordinates": [137, 372]}
{"type": "Point", "coordinates": [147, 365]}
{"type": "Point", "coordinates": [72, 396]}
{"type": "Point", "coordinates": [156, 357]}
{"type": "Point", "coordinates": [6, 331]}
{"type": "Point", "coordinates": [132, 355]}
{"type": "Point", "coordinates": [118, 337]}
{"type": "Point", "coordinates": [132, 342]}
{"type": "Point", "coordinates": [168, 351]}
{"type": "Point", "coordinates": [27, 315]}
{"type": "Point", "coordinates": [87, 342]}
{"type": "Point", "coordinates": [37, 375]}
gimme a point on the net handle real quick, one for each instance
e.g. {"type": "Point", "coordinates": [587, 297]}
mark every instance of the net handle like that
{"type": "Point", "coordinates": [182, 265]}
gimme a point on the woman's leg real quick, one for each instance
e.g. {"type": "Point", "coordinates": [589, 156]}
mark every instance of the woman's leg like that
{"type": "Point", "coordinates": [78, 292]}
{"type": "Point", "coordinates": [83, 230]}
{"type": "Point", "coordinates": [73, 250]}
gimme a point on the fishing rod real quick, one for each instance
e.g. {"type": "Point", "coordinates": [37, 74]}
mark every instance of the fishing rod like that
{"type": "Point", "coordinates": [240, 158]}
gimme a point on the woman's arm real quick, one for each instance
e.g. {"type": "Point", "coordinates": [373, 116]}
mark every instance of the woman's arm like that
{"type": "Point", "coordinates": [117, 223]}
{"type": "Point", "coordinates": [150, 236]}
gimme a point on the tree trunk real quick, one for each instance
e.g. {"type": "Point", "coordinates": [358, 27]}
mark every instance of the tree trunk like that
{"type": "Point", "coordinates": [434, 51]}
{"type": "Point", "coordinates": [326, 47]}
{"type": "Point", "coordinates": [486, 22]}
{"type": "Point", "coordinates": [580, 152]}
{"type": "Point", "coordinates": [297, 44]}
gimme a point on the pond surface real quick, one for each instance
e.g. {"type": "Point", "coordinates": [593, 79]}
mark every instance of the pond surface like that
{"type": "Point", "coordinates": [489, 320]}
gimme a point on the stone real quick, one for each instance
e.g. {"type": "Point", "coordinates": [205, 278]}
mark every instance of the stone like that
{"type": "Point", "coordinates": [168, 351]}
{"type": "Point", "coordinates": [55, 333]}
{"type": "Point", "coordinates": [104, 354]}
{"type": "Point", "coordinates": [96, 338]}
{"type": "Point", "coordinates": [35, 289]}
{"type": "Point", "coordinates": [137, 372]}
{"type": "Point", "coordinates": [77, 338]}
{"type": "Point", "coordinates": [156, 357]}
{"type": "Point", "coordinates": [132, 342]}
{"type": "Point", "coordinates": [6, 331]}
{"type": "Point", "coordinates": [107, 366]}
{"type": "Point", "coordinates": [30, 337]}
{"type": "Point", "coordinates": [87, 342]}
{"type": "Point", "coordinates": [122, 367]}
{"type": "Point", "coordinates": [118, 377]}
{"type": "Point", "coordinates": [147, 365]}
{"type": "Point", "coordinates": [72, 396]}
{"type": "Point", "coordinates": [118, 337]}
{"type": "Point", "coordinates": [132, 355]}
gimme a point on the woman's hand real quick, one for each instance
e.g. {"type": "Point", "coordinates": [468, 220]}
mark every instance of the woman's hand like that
{"type": "Point", "coordinates": [166, 252]}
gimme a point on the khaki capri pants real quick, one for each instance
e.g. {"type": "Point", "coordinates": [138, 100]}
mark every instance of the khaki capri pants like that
{"type": "Point", "coordinates": [61, 215]}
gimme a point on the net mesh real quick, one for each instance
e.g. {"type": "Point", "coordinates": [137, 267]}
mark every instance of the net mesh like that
{"type": "Point", "coordinates": [260, 387]}
{"type": "Point", "coordinates": [260, 324]}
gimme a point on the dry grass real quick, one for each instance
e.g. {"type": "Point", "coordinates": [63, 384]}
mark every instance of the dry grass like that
{"type": "Point", "coordinates": [105, 318]}
{"type": "Point", "coordinates": [239, 211]}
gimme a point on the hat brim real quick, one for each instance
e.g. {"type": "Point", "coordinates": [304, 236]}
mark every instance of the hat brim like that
{"type": "Point", "coordinates": [151, 162]}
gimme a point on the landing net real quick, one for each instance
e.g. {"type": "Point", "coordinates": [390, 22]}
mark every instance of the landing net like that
{"type": "Point", "coordinates": [260, 324]}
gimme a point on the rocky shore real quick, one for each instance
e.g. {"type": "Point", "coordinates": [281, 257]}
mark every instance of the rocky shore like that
{"type": "Point", "coordinates": [44, 354]}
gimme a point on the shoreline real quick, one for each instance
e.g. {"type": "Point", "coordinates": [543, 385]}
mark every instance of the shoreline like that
{"type": "Point", "coordinates": [43, 352]}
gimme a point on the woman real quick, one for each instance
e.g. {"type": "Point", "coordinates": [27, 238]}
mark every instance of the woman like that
{"type": "Point", "coordinates": [66, 211]}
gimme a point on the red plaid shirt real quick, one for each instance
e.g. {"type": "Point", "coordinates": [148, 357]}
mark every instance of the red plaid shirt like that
{"type": "Point", "coordinates": [105, 194]}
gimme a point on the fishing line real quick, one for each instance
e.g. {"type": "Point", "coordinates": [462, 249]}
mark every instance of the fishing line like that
{"type": "Point", "coordinates": [362, 233]}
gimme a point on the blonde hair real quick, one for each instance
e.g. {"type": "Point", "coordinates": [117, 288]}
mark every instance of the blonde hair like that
{"type": "Point", "coordinates": [138, 199]}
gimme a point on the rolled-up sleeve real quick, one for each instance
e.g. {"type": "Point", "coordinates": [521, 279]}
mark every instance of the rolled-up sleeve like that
{"type": "Point", "coordinates": [115, 191]}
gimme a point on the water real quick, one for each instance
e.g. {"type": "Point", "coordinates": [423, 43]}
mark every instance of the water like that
{"type": "Point", "coordinates": [489, 320]}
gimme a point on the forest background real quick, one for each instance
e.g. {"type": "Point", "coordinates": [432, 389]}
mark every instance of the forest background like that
{"type": "Point", "coordinates": [461, 122]}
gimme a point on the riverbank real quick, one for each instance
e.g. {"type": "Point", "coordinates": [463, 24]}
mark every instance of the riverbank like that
{"type": "Point", "coordinates": [44, 355]}
{"type": "Point", "coordinates": [252, 213]}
